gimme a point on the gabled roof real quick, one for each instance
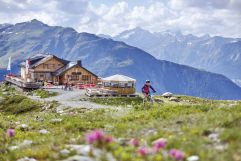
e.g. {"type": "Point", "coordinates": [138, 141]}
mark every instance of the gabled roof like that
{"type": "Point", "coordinates": [118, 78]}
{"type": "Point", "coordinates": [33, 59]}
{"type": "Point", "coordinates": [69, 66]}
{"type": "Point", "coordinates": [46, 59]}
{"type": "Point", "coordinates": [41, 58]}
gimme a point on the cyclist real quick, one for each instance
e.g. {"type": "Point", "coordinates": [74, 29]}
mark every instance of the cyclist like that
{"type": "Point", "coordinates": [146, 89]}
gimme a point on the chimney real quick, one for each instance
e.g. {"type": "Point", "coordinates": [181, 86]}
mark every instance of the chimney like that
{"type": "Point", "coordinates": [79, 62]}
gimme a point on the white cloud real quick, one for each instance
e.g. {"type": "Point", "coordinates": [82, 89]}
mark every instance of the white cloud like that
{"type": "Point", "coordinates": [208, 4]}
{"type": "Point", "coordinates": [216, 17]}
{"type": "Point", "coordinates": [73, 6]}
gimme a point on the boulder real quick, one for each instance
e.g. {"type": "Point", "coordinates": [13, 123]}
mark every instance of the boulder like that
{"type": "Point", "coordinates": [129, 106]}
{"type": "Point", "coordinates": [24, 127]}
{"type": "Point", "coordinates": [216, 142]}
{"type": "Point", "coordinates": [174, 99]}
{"type": "Point", "coordinates": [24, 144]}
{"type": "Point", "coordinates": [214, 137]}
{"type": "Point", "coordinates": [167, 94]}
{"type": "Point", "coordinates": [221, 147]}
{"type": "Point", "coordinates": [43, 131]}
{"type": "Point", "coordinates": [56, 120]}
{"type": "Point", "coordinates": [46, 107]}
{"type": "Point", "coordinates": [81, 149]}
{"type": "Point", "coordinates": [193, 158]}
{"type": "Point", "coordinates": [27, 159]}
{"type": "Point", "coordinates": [85, 150]}
{"type": "Point", "coordinates": [4, 90]}
{"type": "Point", "coordinates": [64, 152]}
{"type": "Point", "coordinates": [5, 93]}
{"type": "Point", "coordinates": [158, 100]}
{"type": "Point", "coordinates": [83, 99]}
{"type": "Point", "coordinates": [79, 158]}
{"type": "Point", "coordinates": [38, 118]}
{"type": "Point", "coordinates": [123, 141]}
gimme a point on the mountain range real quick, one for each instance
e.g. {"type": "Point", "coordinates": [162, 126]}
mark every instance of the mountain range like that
{"type": "Point", "coordinates": [212, 53]}
{"type": "Point", "coordinates": [105, 57]}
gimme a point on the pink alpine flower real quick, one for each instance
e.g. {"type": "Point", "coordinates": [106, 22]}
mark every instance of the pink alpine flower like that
{"type": "Point", "coordinates": [108, 139]}
{"type": "Point", "coordinates": [176, 154]}
{"type": "Point", "coordinates": [10, 132]}
{"type": "Point", "coordinates": [94, 136]}
{"type": "Point", "coordinates": [159, 144]}
{"type": "Point", "coordinates": [143, 151]}
{"type": "Point", "coordinates": [134, 142]}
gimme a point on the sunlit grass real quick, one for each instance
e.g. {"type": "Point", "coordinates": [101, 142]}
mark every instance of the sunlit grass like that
{"type": "Point", "coordinates": [186, 125]}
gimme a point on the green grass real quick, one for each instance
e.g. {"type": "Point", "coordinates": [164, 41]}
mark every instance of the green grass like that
{"type": "Point", "coordinates": [185, 125]}
{"type": "Point", "coordinates": [44, 94]}
{"type": "Point", "coordinates": [117, 101]}
{"type": "Point", "coordinates": [16, 104]}
{"type": "Point", "coordinates": [7, 90]}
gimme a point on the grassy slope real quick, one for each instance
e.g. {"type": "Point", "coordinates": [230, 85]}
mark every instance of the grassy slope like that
{"type": "Point", "coordinates": [43, 93]}
{"type": "Point", "coordinates": [186, 125]}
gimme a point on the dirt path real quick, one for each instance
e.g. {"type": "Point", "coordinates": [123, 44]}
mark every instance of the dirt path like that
{"type": "Point", "coordinates": [71, 99]}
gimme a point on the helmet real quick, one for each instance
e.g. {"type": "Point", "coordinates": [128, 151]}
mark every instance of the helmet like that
{"type": "Point", "coordinates": [148, 81]}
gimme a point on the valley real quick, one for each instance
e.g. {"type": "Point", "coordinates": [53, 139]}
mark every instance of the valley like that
{"type": "Point", "coordinates": [107, 57]}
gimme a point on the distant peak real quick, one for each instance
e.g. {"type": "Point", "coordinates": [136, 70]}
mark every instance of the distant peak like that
{"type": "Point", "coordinates": [5, 24]}
{"type": "Point", "coordinates": [35, 21]}
{"type": "Point", "coordinates": [173, 32]}
{"type": "Point", "coordinates": [104, 36]}
{"type": "Point", "coordinates": [206, 36]}
{"type": "Point", "coordinates": [138, 28]}
{"type": "Point", "coordinates": [127, 33]}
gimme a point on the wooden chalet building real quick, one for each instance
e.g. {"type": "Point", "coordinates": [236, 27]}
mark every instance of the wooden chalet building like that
{"type": "Point", "coordinates": [50, 68]}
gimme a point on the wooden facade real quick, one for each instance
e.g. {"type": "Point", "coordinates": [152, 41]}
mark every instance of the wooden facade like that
{"type": "Point", "coordinates": [122, 90]}
{"type": "Point", "coordinates": [120, 84]}
{"type": "Point", "coordinates": [58, 71]}
{"type": "Point", "coordinates": [77, 75]}
{"type": "Point", "coordinates": [44, 71]}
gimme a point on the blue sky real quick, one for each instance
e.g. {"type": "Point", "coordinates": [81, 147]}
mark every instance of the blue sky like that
{"type": "Point", "coordinates": [214, 17]}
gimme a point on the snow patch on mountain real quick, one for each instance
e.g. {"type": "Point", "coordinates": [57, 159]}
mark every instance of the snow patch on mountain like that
{"type": "Point", "coordinates": [212, 53]}
{"type": "Point", "coordinates": [237, 81]}
{"type": "Point", "coordinates": [125, 63]}
{"type": "Point", "coordinates": [106, 57]}
{"type": "Point", "coordinates": [127, 35]}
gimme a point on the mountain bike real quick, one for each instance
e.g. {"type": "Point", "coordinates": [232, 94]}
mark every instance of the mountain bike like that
{"type": "Point", "coordinates": [148, 98]}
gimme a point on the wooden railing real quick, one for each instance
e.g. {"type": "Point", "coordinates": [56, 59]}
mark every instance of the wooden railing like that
{"type": "Point", "coordinates": [21, 83]}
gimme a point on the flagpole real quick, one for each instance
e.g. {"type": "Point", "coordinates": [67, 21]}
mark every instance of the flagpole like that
{"type": "Point", "coordinates": [9, 65]}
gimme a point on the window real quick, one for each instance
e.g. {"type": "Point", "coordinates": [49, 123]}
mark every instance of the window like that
{"type": "Point", "coordinates": [85, 77]}
{"type": "Point", "coordinates": [107, 84]}
{"type": "Point", "coordinates": [76, 73]}
{"type": "Point", "coordinates": [46, 66]}
{"type": "Point", "coordinates": [115, 85]}
{"type": "Point", "coordinates": [130, 85]}
{"type": "Point", "coordinates": [122, 85]}
{"type": "Point", "coordinates": [74, 77]}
